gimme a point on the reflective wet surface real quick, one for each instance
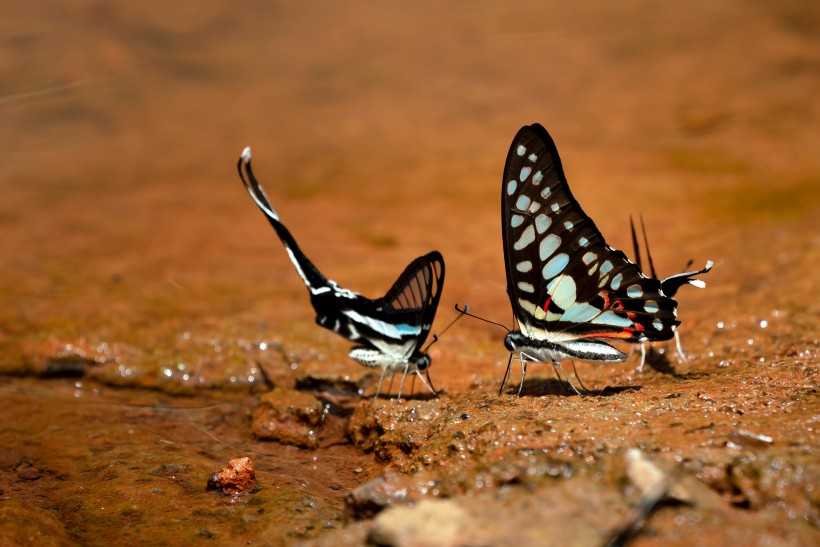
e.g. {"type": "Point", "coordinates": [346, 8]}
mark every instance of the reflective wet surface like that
{"type": "Point", "coordinates": [152, 327]}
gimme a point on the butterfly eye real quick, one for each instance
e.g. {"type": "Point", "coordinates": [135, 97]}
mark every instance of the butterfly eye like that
{"type": "Point", "coordinates": [508, 343]}
{"type": "Point", "coordinates": [423, 362]}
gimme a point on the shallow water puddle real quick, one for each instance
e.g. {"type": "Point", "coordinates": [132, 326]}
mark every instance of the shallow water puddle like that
{"type": "Point", "coordinates": [115, 464]}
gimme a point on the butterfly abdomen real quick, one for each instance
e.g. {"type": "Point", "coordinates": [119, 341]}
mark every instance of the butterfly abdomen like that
{"type": "Point", "coordinates": [371, 357]}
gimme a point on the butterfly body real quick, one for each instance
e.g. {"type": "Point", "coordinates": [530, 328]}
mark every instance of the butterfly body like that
{"type": "Point", "coordinates": [371, 357]}
{"type": "Point", "coordinates": [389, 331]}
{"type": "Point", "coordinates": [544, 351]}
{"type": "Point", "coordinates": [571, 293]}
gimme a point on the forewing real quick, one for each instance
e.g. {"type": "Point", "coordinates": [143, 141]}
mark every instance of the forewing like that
{"type": "Point", "coordinates": [563, 280]}
{"type": "Point", "coordinates": [413, 298]}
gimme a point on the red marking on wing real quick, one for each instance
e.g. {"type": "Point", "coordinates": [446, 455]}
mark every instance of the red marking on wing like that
{"type": "Point", "coordinates": [623, 333]}
{"type": "Point", "coordinates": [546, 304]}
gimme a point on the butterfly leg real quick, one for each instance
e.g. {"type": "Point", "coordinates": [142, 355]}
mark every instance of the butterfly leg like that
{"type": "Point", "coordinates": [555, 370]}
{"type": "Point", "coordinates": [403, 377]}
{"type": "Point", "coordinates": [575, 372]}
{"type": "Point", "coordinates": [643, 357]}
{"type": "Point", "coordinates": [523, 360]}
{"type": "Point", "coordinates": [506, 375]}
{"type": "Point", "coordinates": [430, 385]}
{"type": "Point", "coordinates": [561, 381]}
{"type": "Point", "coordinates": [381, 380]}
{"type": "Point", "coordinates": [430, 382]}
{"type": "Point", "coordinates": [412, 385]}
{"type": "Point", "coordinates": [682, 354]}
{"type": "Point", "coordinates": [558, 365]}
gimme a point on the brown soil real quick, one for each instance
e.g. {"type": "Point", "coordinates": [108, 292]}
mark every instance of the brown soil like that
{"type": "Point", "coordinates": [149, 307]}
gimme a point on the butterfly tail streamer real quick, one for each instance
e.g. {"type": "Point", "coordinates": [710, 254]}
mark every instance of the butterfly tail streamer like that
{"type": "Point", "coordinates": [648, 253]}
{"type": "Point", "coordinates": [635, 247]}
{"type": "Point", "coordinates": [670, 285]}
{"type": "Point", "coordinates": [309, 273]}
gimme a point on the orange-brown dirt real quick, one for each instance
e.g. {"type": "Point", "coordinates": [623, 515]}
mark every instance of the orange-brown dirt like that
{"type": "Point", "coordinates": [149, 308]}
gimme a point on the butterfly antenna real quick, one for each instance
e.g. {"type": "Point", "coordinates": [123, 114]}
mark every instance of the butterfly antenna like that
{"type": "Point", "coordinates": [648, 254]}
{"type": "Point", "coordinates": [453, 322]}
{"type": "Point", "coordinates": [635, 245]}
{"type": "Point", "coordinates": [688, 265]}
{"type": "Point", "coordinates": [433, 341]}
{"type": "Point", "coordinates": [465, 312]}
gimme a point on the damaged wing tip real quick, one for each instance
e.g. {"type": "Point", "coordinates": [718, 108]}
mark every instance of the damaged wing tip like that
{"type": "Point", "coordinates": [246, 155]}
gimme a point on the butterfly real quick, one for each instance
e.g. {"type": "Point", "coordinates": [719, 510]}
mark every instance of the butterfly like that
{"type": "Point", "coordinates": [670, 288]}
{"type": "Point", "coordinates": [571, 293]}
{"type": "Point", "coordinates": [389, 331]}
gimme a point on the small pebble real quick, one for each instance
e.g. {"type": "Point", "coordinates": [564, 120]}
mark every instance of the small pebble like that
{"type": "Point", "coordinates": [239, 476]}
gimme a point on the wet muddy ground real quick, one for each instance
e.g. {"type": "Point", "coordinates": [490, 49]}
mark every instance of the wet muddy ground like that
{"type": "Point", "coordinates": [152, 328]}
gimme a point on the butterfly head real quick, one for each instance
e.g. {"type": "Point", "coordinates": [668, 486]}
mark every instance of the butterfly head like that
{"type": "Point", "coordinates": [422, 362]}
{"type": "Point", "coordinates": [513, 340]}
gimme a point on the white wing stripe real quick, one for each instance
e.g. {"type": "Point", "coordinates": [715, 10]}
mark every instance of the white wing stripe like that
{"type": "Point", "coordinates": [395, 332]}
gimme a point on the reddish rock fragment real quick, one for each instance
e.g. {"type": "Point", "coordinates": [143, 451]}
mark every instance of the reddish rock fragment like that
{"type": "Point", "coordinates": [239, 476]}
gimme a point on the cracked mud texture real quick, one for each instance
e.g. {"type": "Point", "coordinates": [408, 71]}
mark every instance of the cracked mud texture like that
{"type": "Point", "coordinates": [152, 328]}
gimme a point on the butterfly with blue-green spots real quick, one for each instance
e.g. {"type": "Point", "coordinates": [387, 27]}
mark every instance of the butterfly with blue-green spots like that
{"type": "Point", "coordinates": [571, 293]}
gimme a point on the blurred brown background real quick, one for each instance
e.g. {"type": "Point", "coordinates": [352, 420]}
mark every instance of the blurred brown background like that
{"type": "Point", "coordinates": [379, 131]}
{"type": "Point", "coordinates": [133, 257]}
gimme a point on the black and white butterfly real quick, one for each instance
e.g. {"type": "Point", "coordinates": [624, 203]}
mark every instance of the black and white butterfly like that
{"type": "Point", "coordinates": [390, 331]}
{"type": "Point", "coordinates": [571, 293]}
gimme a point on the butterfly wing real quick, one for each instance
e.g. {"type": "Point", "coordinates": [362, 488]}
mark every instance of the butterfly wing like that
{"type": "Point", "coordinates": [564, 282]}
{"type": "Point", "coordinates": [400, 321]}
{"type": "Point", "coordinates": [396, 324]}
{"type": "Point", "coordinates": [417, 291]}
{"type": "Point", "coordinates": [310, 274]}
